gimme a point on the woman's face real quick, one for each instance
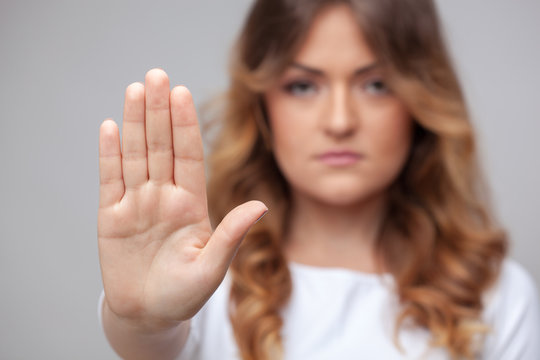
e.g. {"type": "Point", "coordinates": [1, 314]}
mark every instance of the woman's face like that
{"type": "Point", "coordinates": [339, 136]}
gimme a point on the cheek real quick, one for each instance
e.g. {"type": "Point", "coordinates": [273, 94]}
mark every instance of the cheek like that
{"type": "Point", "coordinates": [294, 131]}
{"type": "Point", "coordinates": [286, 134]}
{"type": "Point", "coordinates": [388, 138]}
{"type": "Point", "coordinates": [390, 134]}
{"type": "Point", "coordinates": [291, 125]}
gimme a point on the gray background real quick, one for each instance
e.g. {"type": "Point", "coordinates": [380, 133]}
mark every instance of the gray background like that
{"type": "Point", "coordinates": [65, 65]}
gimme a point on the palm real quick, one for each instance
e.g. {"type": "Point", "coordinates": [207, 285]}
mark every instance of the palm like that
{"type": "Point", "coordinates": [158, 256]}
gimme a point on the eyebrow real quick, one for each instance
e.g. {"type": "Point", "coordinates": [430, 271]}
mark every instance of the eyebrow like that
{"type": "Point", "coordinates": [359, 71]}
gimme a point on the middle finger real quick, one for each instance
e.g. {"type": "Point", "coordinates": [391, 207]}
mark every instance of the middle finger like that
{"type": "Point", "coordinates": [158, 127]}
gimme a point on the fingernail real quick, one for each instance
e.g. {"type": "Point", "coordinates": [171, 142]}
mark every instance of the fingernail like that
{"type": "Point", "coordinates": [260, 217]}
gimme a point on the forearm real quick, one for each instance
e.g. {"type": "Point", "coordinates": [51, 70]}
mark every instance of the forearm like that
{"type": "Point", "coordinates": [131, 342]}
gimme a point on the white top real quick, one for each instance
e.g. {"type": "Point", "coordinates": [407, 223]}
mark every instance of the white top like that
{"type": "Point", "coordinates": [343, 314]}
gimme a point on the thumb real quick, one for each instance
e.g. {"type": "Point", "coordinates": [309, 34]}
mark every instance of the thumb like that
{"type": "Point", "coordinates": [224, 242]}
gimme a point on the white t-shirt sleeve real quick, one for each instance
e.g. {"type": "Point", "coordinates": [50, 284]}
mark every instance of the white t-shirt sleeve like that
{"type": "Point", "coordinates": [513, 314]}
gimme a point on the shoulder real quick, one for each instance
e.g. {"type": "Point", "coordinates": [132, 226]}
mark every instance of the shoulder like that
{"type": "Point", "coordinates": [514, 286]}
{"type": "Point", "coordinates": [514, 276]}
{"type": "Point", "coordinates": [512, 312]}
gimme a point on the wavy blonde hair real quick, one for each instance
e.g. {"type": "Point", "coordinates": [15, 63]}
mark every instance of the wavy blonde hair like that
{"type": "Point", "coordinates": [439, 239]}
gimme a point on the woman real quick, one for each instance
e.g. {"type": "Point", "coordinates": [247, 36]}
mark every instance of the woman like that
{"type": "Point", "coordinates": [346, 119]}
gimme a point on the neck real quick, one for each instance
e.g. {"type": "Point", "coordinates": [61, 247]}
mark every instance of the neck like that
{"type": "Point", "coordinates": [335, 236]}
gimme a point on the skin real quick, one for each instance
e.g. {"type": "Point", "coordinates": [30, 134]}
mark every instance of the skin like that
{"type": "Point", "coordinates": [326, 103]}
{"type": "Point", "coordinates": [160, 259]}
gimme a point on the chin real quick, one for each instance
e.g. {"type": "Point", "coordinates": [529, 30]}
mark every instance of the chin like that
{"type": "Point", "coordinates": [344, 200]}
{"type": "Point", "coordinates": [345, 196]}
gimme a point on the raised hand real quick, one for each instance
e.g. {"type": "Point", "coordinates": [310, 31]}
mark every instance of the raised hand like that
{"type": "Point", "coordinates": [160, 259]}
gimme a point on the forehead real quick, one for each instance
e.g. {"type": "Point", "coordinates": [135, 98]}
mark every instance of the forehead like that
{"type": "Point", "coordinates": [335, 40]}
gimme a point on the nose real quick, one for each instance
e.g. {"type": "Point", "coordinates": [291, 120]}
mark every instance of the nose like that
{"type": "Point", "coordinates": [340, 119]}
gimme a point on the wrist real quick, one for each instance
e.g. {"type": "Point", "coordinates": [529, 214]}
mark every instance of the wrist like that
{"type": "Point", "coordinates": [141, 326]}
{"type": "Point", "coordinates": [136, 339]}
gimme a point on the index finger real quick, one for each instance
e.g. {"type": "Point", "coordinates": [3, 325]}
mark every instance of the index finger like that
{"type": "Point", "coordinates": [187, 143]}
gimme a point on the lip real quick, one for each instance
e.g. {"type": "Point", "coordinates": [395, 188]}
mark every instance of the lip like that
{"type": "Point", "coordinates": [340, 158]}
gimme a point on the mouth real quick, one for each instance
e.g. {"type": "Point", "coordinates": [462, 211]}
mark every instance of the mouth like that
{"type": "Point", "coordinates": [340, 158]}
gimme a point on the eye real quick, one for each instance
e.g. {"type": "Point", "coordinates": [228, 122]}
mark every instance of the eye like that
{"type": "Point", "coordinates": [301, 88]}
{"type": "Point", "coordinates": [376, 87]}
